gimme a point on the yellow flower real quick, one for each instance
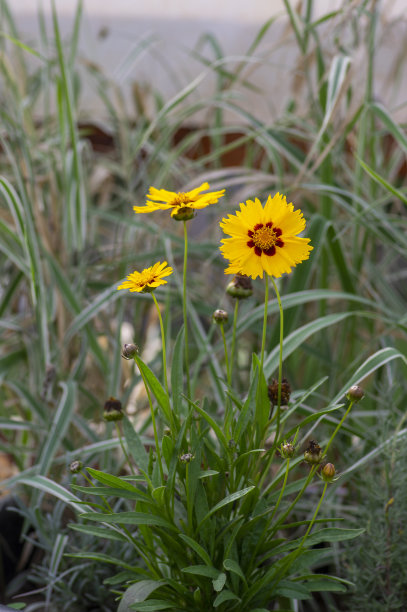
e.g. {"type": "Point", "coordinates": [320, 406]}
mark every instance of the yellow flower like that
{"type": "Point", "coordinates": [182, 204]}
{"type": "Point", "coordinates": [264, 239]}
{"type": "Point", "coordinates": [147, 280]}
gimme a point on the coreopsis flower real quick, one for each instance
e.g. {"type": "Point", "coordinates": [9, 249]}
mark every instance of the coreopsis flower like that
{"type": "Point", "coordinates": [147, 280]}
{"type": "Point", "coordinates": [182, 205]}
{"type": "Point", "coordinates": [264, 239]}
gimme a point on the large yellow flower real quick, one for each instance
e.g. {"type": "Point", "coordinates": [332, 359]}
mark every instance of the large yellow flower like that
{"type": "Point", "coordinates": [147, 280]}
{"type": "Point", "coordinates": [264, 239]}
{"type": "Point", "coordinates": [180, 203]}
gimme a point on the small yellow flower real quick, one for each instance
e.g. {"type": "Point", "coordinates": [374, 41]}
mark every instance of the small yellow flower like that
{"type": "Point", "coordinates": [160, 199]}
{"type": "Point", "coordinates": [147, 280]}
{"type": "Point", "coordinates": [264, 239]}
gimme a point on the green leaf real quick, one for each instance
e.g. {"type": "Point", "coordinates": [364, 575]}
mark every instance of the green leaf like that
{"type": "Point", "coordinates": [177, 372]}
{"type": "Point", "coordinates": [130, 518]}
{"type": "Point", "coordinates": [332, 534]}
{"type": "Point", "coordinates": [225, 501]}
{"type": "Point", "coordinates": [99, 532]}
{"type": "Point", "coordinates": [292, 590]}
{"type": "Point", "coordinates": [52, 488]}
{"type": "Point", "coordinates": [134, 494]}
{"type": "Point", "coordinates": [138, 592]}
{"type": "Point", "coordinates": [224, 596]}
{"type": "Point", "coordinates": [219, 433]}
{"type": "Point", "coordinates": [249, 407]}
{"type": "Point", "coordinates": [153, 605]}
{"type": "Point", "coordinates": [135, 445]}
{"type": "Point", "coordinates": [112, 481]}
{"type": "Point", "coordinates": [219, 582]}
{"type": "Point", "coordinates": [59, 426]}
{"type": "Point", "coordinates": [232, 566]}
{"type": "Point", "coordinates": [95, 556]}
{"type": "Point", "coordinates": [200, 551]}
{"type": "Point", "coordinates": [202, 570]}
{"type": "Point", "coordinates": [156, 387]}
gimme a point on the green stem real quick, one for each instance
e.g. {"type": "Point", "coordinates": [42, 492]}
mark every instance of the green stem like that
{"type": "Point", "coordinates": [184, 308]}
{"type": "Point", "coordinates": [119, 434]}
{"type": "Point", "coordinates": [337, 428]}
{"type": "Point", "coordinates": [164, 351]}
{"type": "Point", "coordinates": [222, 330]}
{"type": "Point", "coordinates": [233, 347]}
{"type": "Point", "coordinates": [157, 446]}
{"type": "Point", "coordinates": [263, 339]}
{"type": "Point", "coordinates": [280, 362]}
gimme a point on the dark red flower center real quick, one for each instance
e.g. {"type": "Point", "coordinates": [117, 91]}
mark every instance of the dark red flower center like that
{"type": "Point", "coordinates": [264, 238]}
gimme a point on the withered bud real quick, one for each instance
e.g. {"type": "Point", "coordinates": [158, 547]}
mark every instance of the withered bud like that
{"type": "Point", "coordinates": [129, 350]}
{"type": "Point", "coordinates": [285, 392]}
{"type": "Point", "coordinates": [328, 472]}
{"type": "Point", "coordinates": [112, 410]}
{"type": "Point", "coordinates": [75, 467]}
{"type": "Point", "coordinates": [220, 316]}
{"type": "Point", "coordinates": [240, 287]}
{"type": "Point", "coordinates": [287, 450]}
{"type": "Point", "coordinates": [355, 393]}
{"type": "Point", "coordinates": [186, 458]}
{"type": "Point", "coordinates": [313, 453]}
{"type": "Point", "coordinates": [184, 214]}
{"type": "Point", "coordinates": [232, 443]}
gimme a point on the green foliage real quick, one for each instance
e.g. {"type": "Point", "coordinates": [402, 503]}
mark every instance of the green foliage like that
{"type": "Point", "coordinates": [68, 237]}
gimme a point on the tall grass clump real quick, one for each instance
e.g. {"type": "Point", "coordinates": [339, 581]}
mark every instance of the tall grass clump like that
{"type": "Point", "coordinates": [192, 498]}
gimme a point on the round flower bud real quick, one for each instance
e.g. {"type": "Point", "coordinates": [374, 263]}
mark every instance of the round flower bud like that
{"type": "Point", "coordinates": [355, 393]}
{"type": "Point", "coordinates": [328, 472]}
{"type": "Point", "coordinates": [313, 453]}
{"type": "Point", "coordinates": [129, 350]}
{"type": "Point", "coordinates": [240, 287]}
{"type": "Point", "coordinates": [112, 410]}
{"type": "Point", "coordinates": [75, 467]}
{"type": "Point", "coordinates": [184, 214]}
{"type": "Point", "coordinates": [220, 316]}
{"type": "Point", "coordinates": [287, 450]}
{"type": "Point", "coordinates": [186, 458]}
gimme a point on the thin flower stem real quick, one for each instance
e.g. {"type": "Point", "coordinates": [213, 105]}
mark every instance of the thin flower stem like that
{"type": "Point", "coordinates": [119, 435]}
{"type": "Point", "coordinates": [164, 351]}
{"type": "Point", "coordinates": [157, 446]}
{"type": "Point", "coordinates": [338, 428]}
{"type": "Point", "coordinates": [263, 340]}
{"type": "Point", "coordinates": [222, 330]}
{"type": "Point", "coordinates": [184, 308]}
{"type": "Point", "coordinates": [233, 347]}
{"type": "Point", "coordinates": [280, 362]}
{"type": "Point", "coordinates": [296, 554]}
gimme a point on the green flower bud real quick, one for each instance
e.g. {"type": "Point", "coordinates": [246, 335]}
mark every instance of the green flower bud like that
{"type": "Point", "coordinates": [186, 458]}
{"type": "Point", "coordinates": [313, 453]}
{"type": "Point", "coordinates": [240, 287]}
{"type": "Point", "coordinates": [328, 472]}
{"type": "Point", "coordinates": [112, 410]}
{"type": "Point", "coordinates": [75, 467]}
{"type": "Point", "coordinates": [129, 350]}
{"type": "Point", "coordinates": [184, 214]}
{"type": "Point", "coordinates": [355, 393]}
{"type": "Point", "coordinates": [220, 316]}
{"type": "Point", "coordinates": [287, 450]}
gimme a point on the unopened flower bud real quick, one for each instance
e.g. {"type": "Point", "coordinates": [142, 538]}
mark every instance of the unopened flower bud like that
{"type": "Point", "coordinates": [220, 316]}
{"type": "Point", "coordinates": [75, 467]}
{"type": "Point", "coordinates": [186, 458]}
{"type": "Point", "coordinates": [129, 350]}
{"type": "Point", "coordinates": [287, 450]}
{"type": "Point", "coordinates": [285, 392]}
{"type": "Point", "coordinates": [112, 410]}
{"type": "Point", "coordinates": [184, 214]}
{"type": "Point", "coordinates": [328, 472]}
{"type": "Point", "coordinates": [313, 453]}
{"type": "Point", "coordinates": [240, 287]}
{"type": "Point", "coordinates": [355, 393]}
